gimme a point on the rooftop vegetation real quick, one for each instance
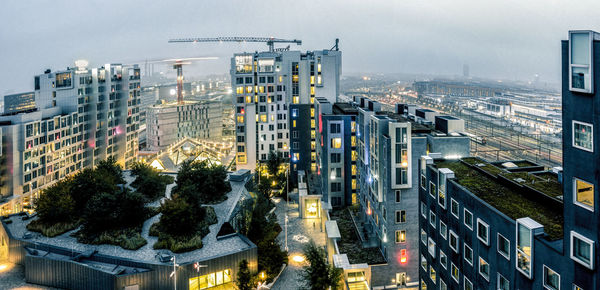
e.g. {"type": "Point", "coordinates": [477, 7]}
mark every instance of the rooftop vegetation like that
{"type": "Point", "coordinates": [485, 166]}
{"type": "Point", "coordinates": [350, 244]}
{"type": "Point", "coordinates": [511, 203]}
{"type": "Point", "coordinates": [184, 219]}
{"type": "Point", "coordinates": [98, 203]}
{"type": "Point", "coordinates": [548, 186]}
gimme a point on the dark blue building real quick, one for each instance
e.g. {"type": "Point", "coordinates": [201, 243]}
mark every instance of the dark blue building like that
{"type": "Point", "coordinates": [300, 138]}
{"type": "Point", "coordinates": [509, 225]}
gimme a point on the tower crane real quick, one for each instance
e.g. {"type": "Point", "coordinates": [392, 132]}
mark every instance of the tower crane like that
{"type": "Point", "coordinates": [270, 41]}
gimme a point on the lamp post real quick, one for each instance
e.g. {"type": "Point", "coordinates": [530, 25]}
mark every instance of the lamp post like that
{"type": "Point", "coordinates": [287, 197]}
{"type": "Point", "coordinates": [174, 273]}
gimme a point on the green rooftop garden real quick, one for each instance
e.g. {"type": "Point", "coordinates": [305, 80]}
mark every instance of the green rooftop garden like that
{"type": "Point", "coordinates": [548, 186]}
{"type": "Point", "coordinates": [350, 244]}
{"type": "Point", "coordinates": [506, 200]}
{"type": "Point", "coordinates": [487, 167]}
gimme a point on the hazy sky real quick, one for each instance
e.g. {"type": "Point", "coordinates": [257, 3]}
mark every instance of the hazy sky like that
{"type": "Point", "coordinates": [497, 38]}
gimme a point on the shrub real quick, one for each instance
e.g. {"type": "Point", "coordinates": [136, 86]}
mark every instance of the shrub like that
{"type": "Point", "coordinates": [52, 229]}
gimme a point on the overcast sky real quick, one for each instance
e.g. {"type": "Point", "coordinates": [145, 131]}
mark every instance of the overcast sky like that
{"type": "Point", "coordinates": [496, 38]}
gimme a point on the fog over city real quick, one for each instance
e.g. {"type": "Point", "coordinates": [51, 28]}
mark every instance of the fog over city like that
{"type": "Point", "coordinates": [513, 40]}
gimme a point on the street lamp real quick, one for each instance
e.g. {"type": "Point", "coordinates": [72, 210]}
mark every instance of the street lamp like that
{"type": "Point", "coordinates": [287, 205]}
{"type": "Point", "coordinates": [174, 273]}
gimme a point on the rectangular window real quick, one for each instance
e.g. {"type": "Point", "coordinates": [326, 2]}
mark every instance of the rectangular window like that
{"type": "Point", "coordinates": [443, 230]}
{"type": "Point", "coordinates": [423, 182]}
{"type": "Point", "coordinates": [335, 128]}
{"type": "Point", "coordinates": [423, 285]}
{"type": "Point", "coordinates": [483, 232]}
{"type": "Point", "coordinates": [432, 219]}
{"type": "Point", "coordinates": [335, 157]}
{"type": "Point", "coordinates": [443, 260]}
{"type": "Point", "coordinates": [582, 250]}
{"type": "Point", "coordinates": [584, 194]}
{"type": "Point", "coordinates": [453, 241]}
{"type": "Point", "coordinates": [400, 216]}
{"type": "Point", "coordinates": [580, 61]}
{"type": "Point", "coordinates": [503, 283]}
{"type": "Point", "coordinates": [484, 269]}
{"type": "Point", "coordinates": [467, 284]}
{"type": "Point", "coordinates": [423, 262]}
{"type": "Point", "coordinates": [432, 274]}
{"type": "Point", "coordinates": [468, 254]}
{"type": "Point", "coordinates": [524, 247]}
{"type": "Point", "coordinates": [454, 208]}
{"type": "Point", "coordinates": [454, 272]}
{"type": "Point", "coordinates": [583, 136]}
{"type": "Point", "coordinates": [398, 196]}
{"type": "Point", "coordinates": [401, 176]}
{"type": "Point", "coordinates": [504, 246]}
{"type": "Point", "coordinates": [336, 143]}
{"type": "Point", "coordinates": [424, 210]}
{"type": "Point", "coordinates": [443, 285]}
{"type": "Point", "coordinates": [401, 236]}
{"type": "Point", "coordinates": [432, 191]}
{"type": "Point", "coordinates": [442, 190]}
{"type": "Point", "coordinates": [431, 247]}
{"type": "Point", "coordinates": [423, 237]}
{"type": "Point", "coordinates": [468, 219]}
{"type": "Point", "coordinates": [551, 279]}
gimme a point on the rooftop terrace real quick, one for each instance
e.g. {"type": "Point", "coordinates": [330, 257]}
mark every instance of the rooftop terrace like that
{"type": "Point", "coordinates": [512, 202]}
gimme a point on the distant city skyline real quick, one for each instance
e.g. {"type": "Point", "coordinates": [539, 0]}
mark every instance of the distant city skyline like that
{"type": "Point", "coordinates": [513, 40]}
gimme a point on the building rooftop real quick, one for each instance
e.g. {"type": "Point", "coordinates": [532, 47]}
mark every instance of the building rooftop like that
{"type": "Point", "coordinates": [515, 204]}
{"type": "Point", "coordinates": [344, 109]}
{"type": "Point", "coordinates": [416, 128]}
{"type": "Point", "coordinates": [213, 246]}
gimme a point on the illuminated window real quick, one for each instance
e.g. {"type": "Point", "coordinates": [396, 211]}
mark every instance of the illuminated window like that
{"type": "Point", "coordinates": [312, 124]}
{"type": "Point", "coordinates": [312, 80]}
{"type": "Point", "coordinates": [354, 155]}
{"type": "Point", "coordinates": [248, 99]}
{"type": "Point", "coordinates": [454, 272]}
{"type": "Point", "coordinates": [294, 123]}
{"type": "Point", "coordinates": [239, 90]}
{"type": "Point", "coordinates": [432, 274]}
{"type": "Point", "coordinates": [319, 80]}
{"type": "Point", "coordinates": [353, 141]}
{"type": "Point", "coordinates": [280, 79]}
{"type": "Point", "coordinates": [263, 118]}
{"type": "Point", "coordinates": [312, 112]}
{"type": "Point", "coordinates": [248, 89]}
{"type": "Point", "coordinates": [295, 100]}
{"type": "Point", "coordinates": [401, 236]}
{"type": "Point", "coordinates": [240, 119]}
{"type": "Point", "coordinates": [312, 90]}
{"type": "Point", "coordinates": [336, 143]}
{"type": "Point", "coordinates": [584, 194]}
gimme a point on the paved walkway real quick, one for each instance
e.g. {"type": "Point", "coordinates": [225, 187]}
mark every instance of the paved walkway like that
{"type": "Point", "coordinates": [12, 276]}
{"type": "Point", "coordinates": [299, 233]}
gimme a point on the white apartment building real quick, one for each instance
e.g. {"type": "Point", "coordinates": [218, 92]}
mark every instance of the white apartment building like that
{"type": "Point", "coordinates": [265, 84]}
{"type": "Point", "coordinates": [82, 116]}
{"type": "Point", "coordinates": [168, 123]}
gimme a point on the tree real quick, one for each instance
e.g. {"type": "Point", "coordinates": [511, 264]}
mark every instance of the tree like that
{"type": "Point", "coordinates": [200, 182]}
{"type": "Point", "coordinates": [244, 278]}
{"type": "Point", "coordinates": [149, 182]}
{"type": "Point", "coordinates": [178, 217]}
{"type": "Point", "coordinates": [319, 275]}
{"type": "Point", "coordinates": [55, 203]}
{"type": "Point", "coordinates": [273, 162]}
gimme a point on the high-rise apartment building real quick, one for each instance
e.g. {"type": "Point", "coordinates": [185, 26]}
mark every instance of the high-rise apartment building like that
{"type": "Point", "coordinates": [336, 152]}
{"type": "Point", "coordinates": [170, 122]}
{"type": "Point", "coordinates": [81, 116]}
{"type": "Point", "coordinates": [512, 225]}
{"type": "Point", "coordinates": [266, 85]}
{"type": "Point", "coordinates": [388, 146]}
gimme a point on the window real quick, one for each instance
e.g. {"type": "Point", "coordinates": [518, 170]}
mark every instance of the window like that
{"type": "Point", "coordinates": [432, 191]}
{"type": "Point", "coordinates": [454, 208]}
{"type": "Point", "coordinates": [443, 259]}
{"type": "Point", "coordinates": [582, 250]}
{"type": "Point", "coordinates": [504, 246]}
{"type": "Point", "coordinates": [401, 236]}
{"type": "Point", "coordinates": [443, 230]}
{"type": "Point", "coordinates": [432, 219]}
{"type": "Point", "coordinates": [432, 274]}
{"type": "Point", "coordinates": [484, 269]}
{"type": "Point", "coordinates": [503, 283]}
{"type": "Point", "coordinates": [401, 176]}
{"type": "Point", "coordinates": [335, 157]}
{"type": "Point", "coordinates": [524, 249]}
{"type": "Point", "coordinates": [443, 285]}
{"type": "Point", "coordinates": [442, 190]}
{"type": "Point", "coordinates": [551, 279]}
{"type": "Point", "coordinates": [453, 241]}
{"type": "Point", "coordinates": [454, 272]}
{"type": "Point", "coordinates": [400, 216]}
{"type": "Point", "coordinates": [335, 128]}
{"type": "Point", "coordinates": [336, 143]}
{"type": "Point", "coordinates": [423, 237]}
{"type": "Point", "coordinates": [424, 210]}
{"type": "Point", "coordinates": [431, 247]}
{"type": "Point", "coordinates": [468, 219]}
{"type": "Point", "coordinates": [584, 194]}
{"type": "Point", "coordinates": [423, 262]}
{"type": "Point", "coordinates": [468, 254]}
{"type": "Point", "coordinates": [336, 186]}
{"type": "Point", "coordinates": [483, 232]}
{"type": "Point", "coordinates": [575, 287]}
{"type": "Point", "coordinates": [423, 182]}
{"type": "Point", "coordinates": [398, 196]}
{"type": "Point", "coordinates": [467, 284]}
{"type": "Point", "coordinates": [423, 285]}
{"type": "Point", "coordinates": [583, 136]}
{"type": "Point", "coordinates": [580, 61]}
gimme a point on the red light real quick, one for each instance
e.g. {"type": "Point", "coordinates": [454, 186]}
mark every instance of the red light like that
{"type": "Point", "coordinates": [403, 256]}
{"type": "Point", "coordinates": [368, 210]}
